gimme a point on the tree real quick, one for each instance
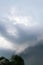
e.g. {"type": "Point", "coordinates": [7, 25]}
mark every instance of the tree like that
{"type": "Point", "coordinates": [17, 60]}
{"type": "Point", "coordinates": [4, 61]}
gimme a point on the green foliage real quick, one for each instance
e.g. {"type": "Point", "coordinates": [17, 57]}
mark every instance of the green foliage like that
{"type": "Point", "coordinates": [4, 61]}
{"type": "Point", "coordinates": [15, 60]}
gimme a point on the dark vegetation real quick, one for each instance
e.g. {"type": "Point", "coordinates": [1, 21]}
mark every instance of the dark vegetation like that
{"type": "Point", "coordinates": [15, 60]}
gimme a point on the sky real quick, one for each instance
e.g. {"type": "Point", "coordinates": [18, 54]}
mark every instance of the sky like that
{"type": "Point", "coordinates": [21, 24]}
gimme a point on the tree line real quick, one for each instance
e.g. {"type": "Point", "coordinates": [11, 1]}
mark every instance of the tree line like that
{"type": "Point", "coordinates": [15, 60]}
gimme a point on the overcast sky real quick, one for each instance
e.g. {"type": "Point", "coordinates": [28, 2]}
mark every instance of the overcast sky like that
{"type": "Point", "coordinates": [21, 24]}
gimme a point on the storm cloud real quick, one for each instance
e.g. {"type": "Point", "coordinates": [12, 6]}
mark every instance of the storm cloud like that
{"type": "Point", "coordinates": [21, 24]}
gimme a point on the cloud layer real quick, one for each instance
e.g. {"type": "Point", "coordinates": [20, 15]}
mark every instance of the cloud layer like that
{"type": "Point", "coordinates": [21, 25]}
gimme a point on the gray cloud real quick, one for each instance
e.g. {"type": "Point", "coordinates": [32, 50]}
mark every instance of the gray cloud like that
{"type": "Point", "coordinates": [31, 35]}
{"type": "Point", "coordinates": [17, 14]}
{"type": "Point", "coordinates": [24, 36]}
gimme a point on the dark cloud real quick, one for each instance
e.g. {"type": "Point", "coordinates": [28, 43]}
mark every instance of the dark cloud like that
{"type": "Point", "coordinates": [24, 35]}
{"type": "Point", "coordinates": [4, 33]}
{"type": "Point", "coordinates": [30, 35]}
